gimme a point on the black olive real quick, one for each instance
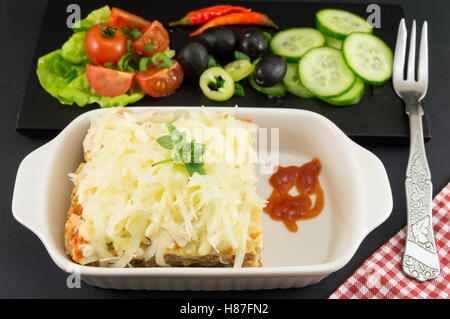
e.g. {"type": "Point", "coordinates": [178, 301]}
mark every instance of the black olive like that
{"type": "Point", "coordinates": [253, 43]}
{"type": "Point", "coordinates": [194, 59]}
{"type": "Point", "coordinates": [270, 70]}
{"type": "Point", "coordinates": [219, 41]}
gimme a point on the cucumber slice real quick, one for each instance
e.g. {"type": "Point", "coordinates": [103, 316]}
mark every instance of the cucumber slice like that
{"type": "Point", "coordinates": [294, 43]}
{"type": "Point", "coordinates": [334, 43]}
{"type": "Point", "coordinates": [292, 82]}
{"type": "Point", "coordinates": [239, 69]}
{"type": "Point", "coordinates": [340, 23]}
{"type": "Point", "coordinates": [369, 57]}
{"type": "Point", "coordinates": [278, 90]}
{"type": "Point", "coordinates": [352, 97]}
{"type": "Point", "coordinates": [323, 71]}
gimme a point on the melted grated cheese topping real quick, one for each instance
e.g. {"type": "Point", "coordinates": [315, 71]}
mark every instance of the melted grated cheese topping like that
{"type": "Point", "coordinates": [133, 210]}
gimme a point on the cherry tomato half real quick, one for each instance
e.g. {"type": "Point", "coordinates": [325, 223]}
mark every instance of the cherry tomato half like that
{"type": "Point", "coordinates": [104, 44]}
{"type": "Point", "coordinates": [121, 19]}
{"type": "Point", "coordinates": [108, 82]}
{"type": "Point", "coordinates": [156, 34]}
{"type": "Point", "coordinates": [160, 82]}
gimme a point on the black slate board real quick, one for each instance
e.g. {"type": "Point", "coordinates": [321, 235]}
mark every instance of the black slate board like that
{"type": "Point", "coordinates": [379, 117]}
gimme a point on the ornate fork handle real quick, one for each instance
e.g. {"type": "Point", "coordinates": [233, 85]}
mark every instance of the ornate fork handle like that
{"type": "Point", "coordinates": [420, 260]}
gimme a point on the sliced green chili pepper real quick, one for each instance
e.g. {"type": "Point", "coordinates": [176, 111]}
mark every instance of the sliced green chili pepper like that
{"type": "Point", "coordinates": [170, 53]}
{"type": "Point", "coordinates": [135, 33]}
{"type": "Point", "coordinates": [149, 47]}
{"type": "Point", "coordinates": [126, 31]}
{"type": "Point", "coordinates": [239, 69]}
{"type": "Point", "coordinates": [143, 63]}
{"type": "Point", "coordinates": [216, 84]}
{"type": "Point", "coordinates": [161, 60]}
{"type": "Point", "coordinates": [110, 65]}
{"type": "Point", "coordinates": [130, 46]}
{"type": "Point", "coordinates": [125, 62]}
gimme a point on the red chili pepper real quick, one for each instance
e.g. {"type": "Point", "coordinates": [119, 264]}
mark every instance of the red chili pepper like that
{"type": "Point", "coordinates": [204, 15]}
{"type": "Point", "coordinates": [237, 18]}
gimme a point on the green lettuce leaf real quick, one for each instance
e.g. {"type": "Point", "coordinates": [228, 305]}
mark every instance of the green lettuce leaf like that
{"type": "Point", "coordinates": [80, 92]}
{"type": "Point", "coordinates": [55, 73]}
{"type": "Point", "coordinates": [68, 83]}
{"type": "Point", "coordinates": [73, 50]}
{"type": "Point", "coordinates": [95, 17]}
{"type": "Point", "coordinates": [62, 73]}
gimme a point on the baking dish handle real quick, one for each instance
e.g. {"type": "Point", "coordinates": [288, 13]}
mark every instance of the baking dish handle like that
{"type": "Point", "coordinates": [377, 189]}
{"type": "Point", "coordinates": [29, 189]}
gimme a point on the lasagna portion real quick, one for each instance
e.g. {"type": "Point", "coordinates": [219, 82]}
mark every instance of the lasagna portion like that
{"type": "Point", "coordinates": [132, 207]}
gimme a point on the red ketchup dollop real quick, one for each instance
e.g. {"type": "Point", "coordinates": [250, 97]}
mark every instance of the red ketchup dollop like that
{"type": "Point", "coordinates": [287, 208]}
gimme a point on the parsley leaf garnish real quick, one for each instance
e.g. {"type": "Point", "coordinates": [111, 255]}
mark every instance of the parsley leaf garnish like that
{"type": "Point", "coordinates": [268, 36]}
{"type": "Point", "coordinates": [187, 153]}
{"type": "Point", "coordinates": [212, 62]}
{"type": "Point", "coordinates": [239, 89]}
{"type": "Point", "coordinates": [165, 141]}
{"type": "Point", "coordinates": [238, 55]}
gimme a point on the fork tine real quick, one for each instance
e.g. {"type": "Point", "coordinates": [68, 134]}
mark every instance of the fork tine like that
{"type": "Point", "coordinates": [422, 75]}
{"type": "Point", "coordinates": [411, 76]}
{"type": "Point", "coordinates": [400, 51]}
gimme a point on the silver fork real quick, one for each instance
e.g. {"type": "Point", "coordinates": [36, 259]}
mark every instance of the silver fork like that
{"type": "Point", "coordinates": [420, 260]}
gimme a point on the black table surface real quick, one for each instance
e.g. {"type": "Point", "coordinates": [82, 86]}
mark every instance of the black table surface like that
{"type": "Point", "coordinates": [26, 270]}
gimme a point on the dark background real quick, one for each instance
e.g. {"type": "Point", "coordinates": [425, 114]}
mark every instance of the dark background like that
{"type": "Point", "coordinates": [26, 270]}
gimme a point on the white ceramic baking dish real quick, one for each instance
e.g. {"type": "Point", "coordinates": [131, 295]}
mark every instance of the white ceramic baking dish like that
{"type": "Point", "coordinates": [357, 200]}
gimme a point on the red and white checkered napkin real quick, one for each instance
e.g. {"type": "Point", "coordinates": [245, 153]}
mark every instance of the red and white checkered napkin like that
{"type": "Point", "coordinates": [381, 275]}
